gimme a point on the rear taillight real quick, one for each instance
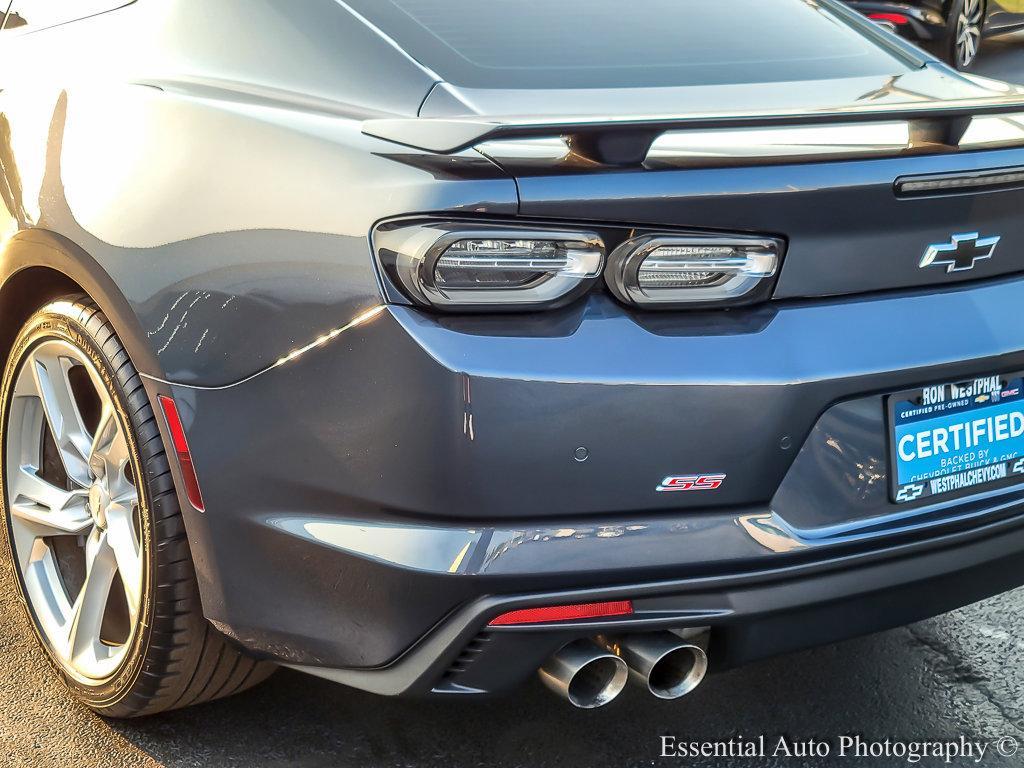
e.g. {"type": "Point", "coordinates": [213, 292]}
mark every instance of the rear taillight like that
{"type": "Point", "coordinates": [472, 267]}
{"type": "Point", "coordinates": [188, 470]}
{"type": "Point", "coordinates": [896, 19]}
{"type": "Point", "coordinates": [460, 266]}
{"type": "Point", "coordinates": [667, 271]}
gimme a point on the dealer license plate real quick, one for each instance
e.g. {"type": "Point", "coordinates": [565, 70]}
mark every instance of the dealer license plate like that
{"type": "Point", "coordinates": [956, 438]}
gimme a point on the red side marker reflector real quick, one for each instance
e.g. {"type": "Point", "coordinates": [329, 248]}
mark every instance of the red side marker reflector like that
{"type": "Point", "coordinates": [564, 613]}
{"type": "Point", "coordinates": [188, 470]}
{"type": "Point", "coordinates": [892, 18]}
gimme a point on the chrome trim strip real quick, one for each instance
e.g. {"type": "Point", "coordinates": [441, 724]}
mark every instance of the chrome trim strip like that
{"type": "Point", "coordinates": [543, 150]}
{"type": "Point", "coordinates": [768, 144]}
{"type": "Point", "coordinates": [689, 148]}
{"type": "Point", "coordinates": [988, 131]}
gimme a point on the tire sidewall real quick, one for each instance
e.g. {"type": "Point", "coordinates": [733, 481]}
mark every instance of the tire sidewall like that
{"type": "Point", "coordinates": [51, 323]}
{"type": "Point", "coordinates": [949, 52]}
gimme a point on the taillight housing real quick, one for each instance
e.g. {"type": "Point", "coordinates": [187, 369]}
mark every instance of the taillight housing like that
{"type": "Point", "coordinates": [464, 266]}
{"type": "Point", "coordinates": [670, 271]}
{"type": "Point", "coordinates": [475, 266]}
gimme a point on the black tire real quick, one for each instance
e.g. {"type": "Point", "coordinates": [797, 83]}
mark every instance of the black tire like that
{"type": "Point", "coordinates": [175, 658]}
{"type": "Point", "coordinates": [948, 48]}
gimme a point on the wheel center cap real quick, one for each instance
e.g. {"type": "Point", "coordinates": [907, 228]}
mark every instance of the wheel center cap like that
{"type": "Point", "coordinates": [98, 502]}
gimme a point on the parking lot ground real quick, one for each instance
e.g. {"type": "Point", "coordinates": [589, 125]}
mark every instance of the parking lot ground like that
{"type": "Point", "coordinates": [959, 675]}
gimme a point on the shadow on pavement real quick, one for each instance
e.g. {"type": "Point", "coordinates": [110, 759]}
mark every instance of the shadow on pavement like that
{"type": "Point", "coordinates": [1003, 58]}
{"type": "Point", "coordinates": [936, 680]}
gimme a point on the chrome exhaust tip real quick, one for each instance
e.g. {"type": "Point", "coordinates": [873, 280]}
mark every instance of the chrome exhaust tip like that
{"type": "Point", "coordinates": [585, 674]}
{"type": "Point", "coordinates": [667, 665]}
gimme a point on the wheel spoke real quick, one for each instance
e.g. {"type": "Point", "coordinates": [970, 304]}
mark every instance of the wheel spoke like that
{"type": "Point", "coordinates": [86, 618]}
{"type": "Point", "coordinates": [127, 551]}
{"type": "Point", "coordinates": [108, 453]}
{"type": "Point", "coordinates": [84, 647]}
{"type": "Point", "coordinates": [53, 386]}
{"type": "Point", "coordinates": [47, 509]}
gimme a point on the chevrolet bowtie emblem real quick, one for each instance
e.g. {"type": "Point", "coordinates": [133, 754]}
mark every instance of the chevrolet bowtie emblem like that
{"type": "Point", "coordinates": [961, 253]}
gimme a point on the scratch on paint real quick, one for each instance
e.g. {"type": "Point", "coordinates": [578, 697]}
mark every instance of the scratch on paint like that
{"type": "Point", "coordinates": [201, 340]}
{"type": "Point", "coordinates": [169, 339]}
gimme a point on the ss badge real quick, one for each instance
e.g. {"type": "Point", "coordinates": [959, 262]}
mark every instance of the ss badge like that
{"type": "Point", "coordinates": [691, 483]}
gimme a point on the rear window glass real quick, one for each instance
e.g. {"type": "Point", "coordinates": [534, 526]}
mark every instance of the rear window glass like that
{"type": "Point", "coordinates": [626, 43]}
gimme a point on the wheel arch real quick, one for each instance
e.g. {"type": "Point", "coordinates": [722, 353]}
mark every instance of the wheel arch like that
{"type": "Point", "coordinates": [37, 266]}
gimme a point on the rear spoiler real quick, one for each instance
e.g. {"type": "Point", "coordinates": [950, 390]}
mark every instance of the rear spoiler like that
{"type": "Point", "coordinates": [626, 140]}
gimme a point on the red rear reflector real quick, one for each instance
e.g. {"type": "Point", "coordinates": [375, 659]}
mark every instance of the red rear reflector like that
{"type": "Point", "coordinates": [892, 18]}
{"type": "Point", "coordinates": [563, 613]}
{"type": "Point", "coordinates": [188, 470]}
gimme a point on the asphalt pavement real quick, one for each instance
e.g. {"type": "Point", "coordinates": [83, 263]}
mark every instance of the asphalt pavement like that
{"type": "Point", "coordinates": [958, 678]}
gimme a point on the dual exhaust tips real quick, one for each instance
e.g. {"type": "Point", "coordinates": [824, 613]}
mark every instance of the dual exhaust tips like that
{"type": "Point", "coordinates": [592, 673]}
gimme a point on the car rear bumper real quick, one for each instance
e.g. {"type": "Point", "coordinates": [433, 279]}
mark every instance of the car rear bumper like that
{"type": "Point", "coordinates": [372, 502]}
{"type": "Point", "coordinates": [752, 614]}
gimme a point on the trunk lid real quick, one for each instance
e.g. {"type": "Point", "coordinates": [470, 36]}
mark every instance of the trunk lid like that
{"type": "Point", "coordinates": [849, 227]}
{"type": "Point", "coordinates": [846, 228]}
{"type": "Point", "coordinates": [599, 155]}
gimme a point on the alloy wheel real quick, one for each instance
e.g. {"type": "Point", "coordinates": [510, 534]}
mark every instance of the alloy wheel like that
{"type": "Point", "coordinates": [73, 511]}
{"type": "Point", "coordinates": [968, 32]}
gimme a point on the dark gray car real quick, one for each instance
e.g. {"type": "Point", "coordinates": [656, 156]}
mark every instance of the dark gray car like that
{"type": "Point", "coordinates": [421, 345]}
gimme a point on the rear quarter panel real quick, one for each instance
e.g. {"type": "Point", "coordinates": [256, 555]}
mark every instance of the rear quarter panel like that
{"type": "Point", "coordinates": [209, 161]}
